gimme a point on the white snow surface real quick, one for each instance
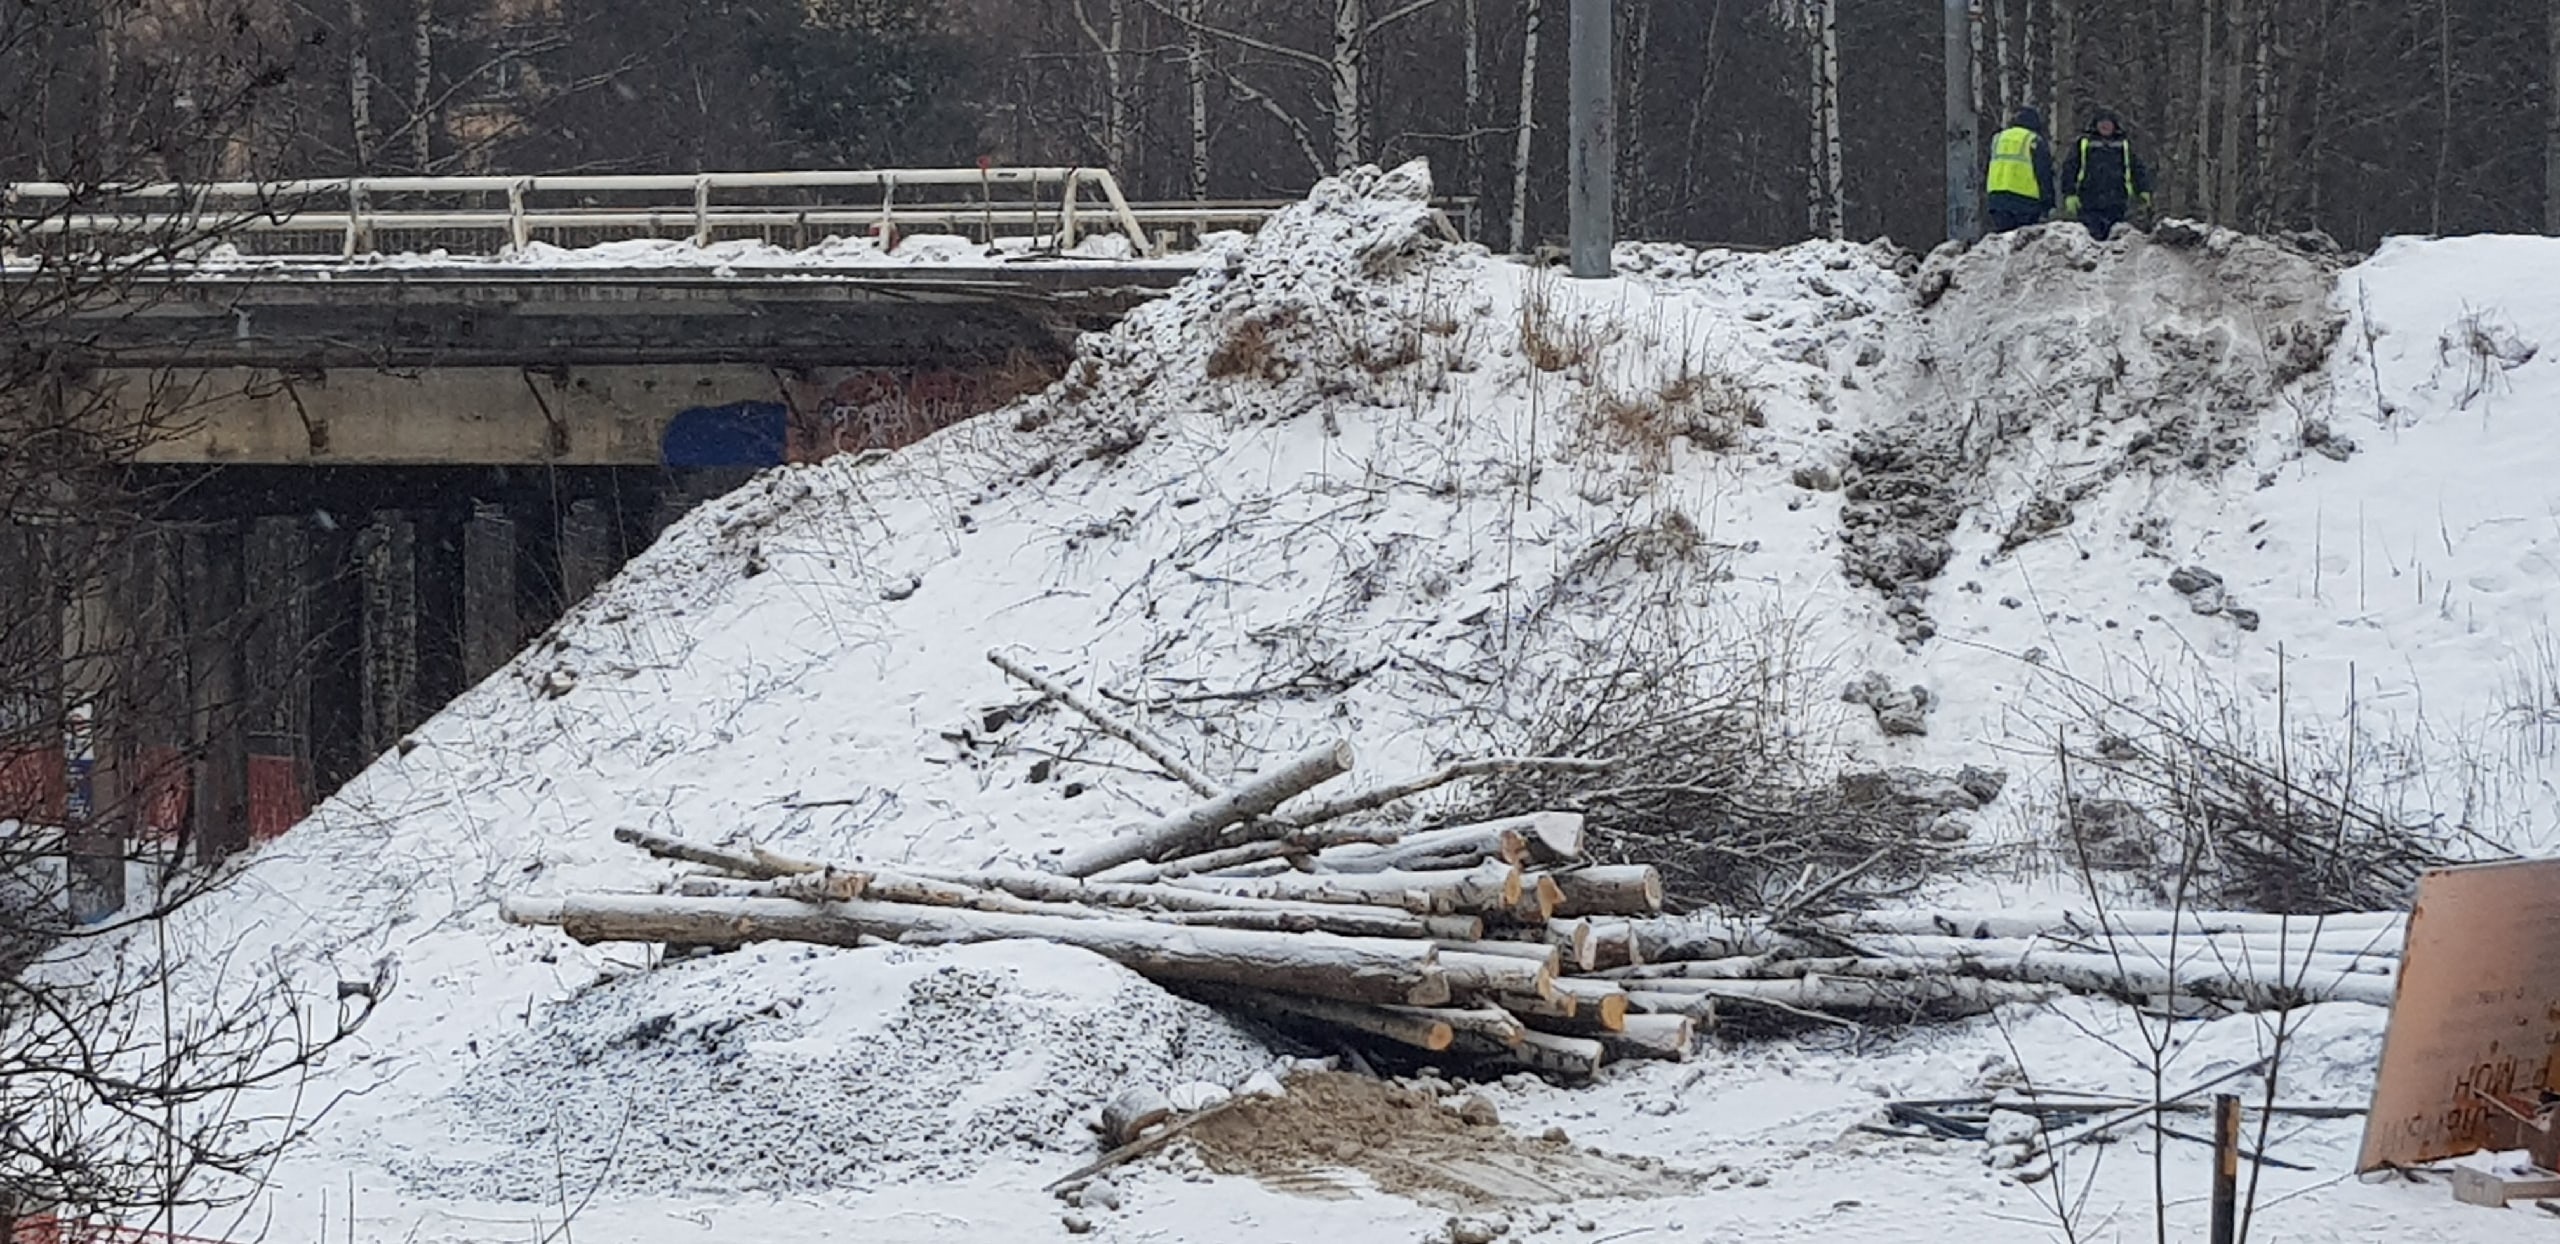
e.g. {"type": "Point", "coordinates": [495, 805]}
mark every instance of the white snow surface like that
{"type": "Point", "coordinates": [1322, 490]}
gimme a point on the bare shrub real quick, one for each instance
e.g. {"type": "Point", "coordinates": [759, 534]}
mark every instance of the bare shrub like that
{"type": "Point", "coordinates": [1707, 409]}
{"type": "Point", "coordinates": [2238, 821]}
{"type": "Point", "coordinates": [1718, 779]}
{"type": "Point", "coordinates": [1249, 349]}
{"type": "Point", "coordinates": [1551, 339]}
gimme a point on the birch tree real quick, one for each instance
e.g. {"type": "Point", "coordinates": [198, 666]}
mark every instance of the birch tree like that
{"type": "Point", "coordinates": [1530, 16]}
{"type": "Point", "coordinates": [1345, 67]}
{"type": "Point", "coordinates": [359, 85]}
{"type": "Point", "coordinates": [1195, 69]}
{"type": "Point", "coordinates": [422, 85]}
{"type": "Point", "coordinates": [1110, 40]}
{"type": "Point", "coordinates": [1819, 20]}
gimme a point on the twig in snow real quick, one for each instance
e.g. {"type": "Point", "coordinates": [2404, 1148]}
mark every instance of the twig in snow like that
{"type": "Point", "coordinates": [1151, 747]}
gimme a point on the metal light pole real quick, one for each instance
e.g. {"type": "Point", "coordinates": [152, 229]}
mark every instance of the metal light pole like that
{"type": "Point", "coordinates": [1964, 128]}
{"type": "Point", "coordinates": [1593, 195]}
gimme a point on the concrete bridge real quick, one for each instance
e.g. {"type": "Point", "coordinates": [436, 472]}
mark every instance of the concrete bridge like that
{"type": "Point", "coordinates": [396, 426]}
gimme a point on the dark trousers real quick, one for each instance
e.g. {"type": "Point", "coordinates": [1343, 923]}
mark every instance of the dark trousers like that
{"type": "Point", "coordinates": [2101, 220]}
{"type": "Point", "coordinates": [2005, 217]}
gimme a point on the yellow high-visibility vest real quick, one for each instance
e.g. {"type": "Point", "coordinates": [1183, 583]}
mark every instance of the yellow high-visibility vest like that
{"type": "Point", "coordinates": [2013, 164]}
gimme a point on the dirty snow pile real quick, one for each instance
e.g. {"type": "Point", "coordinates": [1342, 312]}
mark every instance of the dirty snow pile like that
{"type": "Point", "coordinates": [1350, 481]}
{"type": "Point", "coordinates": [796, 1068]}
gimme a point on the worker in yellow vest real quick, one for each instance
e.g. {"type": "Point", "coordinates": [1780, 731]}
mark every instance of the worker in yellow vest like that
{"type": "Point", "coordinates": [2021, 181]}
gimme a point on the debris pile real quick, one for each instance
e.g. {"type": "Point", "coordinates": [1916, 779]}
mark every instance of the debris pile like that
{"type": "Point", "coordinates": [1493, 940]}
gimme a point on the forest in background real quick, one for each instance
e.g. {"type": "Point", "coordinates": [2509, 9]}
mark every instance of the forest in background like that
{"type": "Point", "coordinates": [1742, 121]}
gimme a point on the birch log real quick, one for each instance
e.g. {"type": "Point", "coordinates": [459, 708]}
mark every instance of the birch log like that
{"type": "Point", "coordinates": [1616, 944]}
{"type": "Point", "coordinates": [1603, 1003]}
{"type": "Point", "coordinates": [1380, 796]}
{"type": "Point", "coordinates": [1946, 997]}
{"type": "Point", "coordinates": [749, 862]}
{"type": "Point", "coordinates": [2136, 923]}
{"type": "Point", "coordinates": [1552, 957]}
{"type": "Point", "coordinates": [1419, 1028]}
{"type": "Point", "coordinates": [1302, 842]}
{"type": "Point", "coordinates": [1490, 887]}
{"type": "Point", "coordinates": [1194, 830]}
{"type": "Point", "coordinates": [1670, 1037]}
{"type": "Point", "coordinates": [1458, 846]}
{"type": "Point", "coordinates": [1269, 917]}
{"type": "Point", "coordinates": [1479, 975]}
{"type": "Point", "coordinates": [1573, 1057]}
{"type": "Point", "coordinates": [1579, 940]}
{"type": "Point", "coordinates": [1609, 890]}
{"type": "Point", "coordinates": [1317, 964]}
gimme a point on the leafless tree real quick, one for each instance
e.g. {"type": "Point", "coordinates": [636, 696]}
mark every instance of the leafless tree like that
{"type": "Point", "coordinates": [134, 1076]}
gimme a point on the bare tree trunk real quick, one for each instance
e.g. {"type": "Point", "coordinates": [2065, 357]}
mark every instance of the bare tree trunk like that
{"type": "Point", "coordinates": [1632, 182]}
{"type": "Point", "coordinates": [2200, 139]}
{"type": "Point", "coordinates": [1471, 32]}
{"type": "Point", "coordinates": [1350, 51]}
{"type": "Point", "coordinates": [1530, 15]}
{"type": "Point", "coordinates": [2319, 133]}
{"type": "Point", "coordinates": [1835, 205]}
{"type": "Point", "coordinates": [1116, 139]}
{"type": "Point", "coordinates": [422, 68]}
{"type": "Point", "coordinates": [1195, 64]}
{"type": "Point", "coordinates": [2030, 47]}
{"type": "Point", "coordinates": [2000, 51]}
{"type": "Point", "coordinates": [359, 85]}
{"type": "Point", "coordinates": [2066, 67]}
{"type": "Point", "coordinates": [2444, 116]}
{"type": "Point", "coordinates": [1699, 104]}
{"type": "Point", "coordinates": [110, 72]}
{"type": "Point", "coordinates": [2235, 27]}
{"type": "Point", "coordinates": [1110, 42]}
{"type": "Point", "coordinates": [2551, 134]}
{"type": "Point", "coordinates": [2262, 200]}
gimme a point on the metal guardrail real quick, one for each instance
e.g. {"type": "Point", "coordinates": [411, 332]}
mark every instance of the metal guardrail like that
{"type": "Point", "coordinates": [1061, 205]}
{"type": "Point", "coordinates": [346, 217]}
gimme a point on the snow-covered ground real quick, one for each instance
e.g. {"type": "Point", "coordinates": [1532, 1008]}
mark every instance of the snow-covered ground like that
{"type": "Point", "coordinates": [1350, 481]}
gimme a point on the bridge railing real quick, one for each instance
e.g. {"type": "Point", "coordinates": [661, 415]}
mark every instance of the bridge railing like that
{"type": "Point", "coordinates": [345, 217]}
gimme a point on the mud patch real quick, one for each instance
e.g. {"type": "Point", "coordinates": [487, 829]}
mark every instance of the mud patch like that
{"type": "Point", "coordinates": [1333, 1136]}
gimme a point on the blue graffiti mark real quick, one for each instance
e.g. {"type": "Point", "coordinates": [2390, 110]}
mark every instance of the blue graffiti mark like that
{"type": "Point", "coordinates": [741, 434]}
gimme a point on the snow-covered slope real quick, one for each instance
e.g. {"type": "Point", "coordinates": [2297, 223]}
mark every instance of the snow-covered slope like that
{"type": "Point", "coordinates": [1349, 481]}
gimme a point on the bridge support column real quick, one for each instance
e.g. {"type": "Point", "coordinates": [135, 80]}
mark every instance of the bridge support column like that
{"type": "Point", "coordinates": [279, 655]}
{"type": "Point", "coordinates": [31, 667]}
{"type": "Point", "coordinates": [587, 546]}
{"type": "Point", "coordinates": [388, 556]}
{"type": "Point", "coordinates": [491, 631]}
{"type": "Point", "coordinates": [98, 637]}
{"type": "Point", "coordinates": [215, 616]}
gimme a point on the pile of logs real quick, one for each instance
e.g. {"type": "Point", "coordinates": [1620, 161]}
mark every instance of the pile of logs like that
{"type": "Point", "coordinates": [1494, 940]}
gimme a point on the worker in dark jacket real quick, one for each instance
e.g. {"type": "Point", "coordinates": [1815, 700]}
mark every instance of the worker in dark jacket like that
{"type": "Point", "coordinates": [2021, 181]}
{"type": "Point", "coordinates": [2102, 179]}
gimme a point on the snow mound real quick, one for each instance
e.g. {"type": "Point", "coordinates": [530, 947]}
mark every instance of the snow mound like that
{"type": "Point", "coordinates": [779, 1069]}
{"type": "Point", "coordinates": [2048, 365]}
{"type": "Point", "coordinates": [1350, 481]}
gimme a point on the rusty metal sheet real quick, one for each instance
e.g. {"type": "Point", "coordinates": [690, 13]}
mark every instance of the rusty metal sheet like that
{"type": "Point", "coordinates": [2477, 1016]}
